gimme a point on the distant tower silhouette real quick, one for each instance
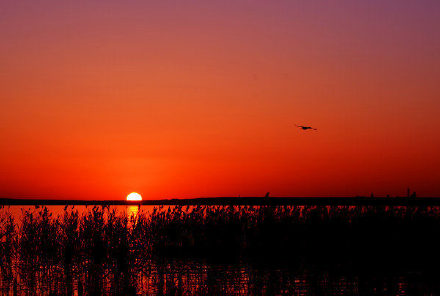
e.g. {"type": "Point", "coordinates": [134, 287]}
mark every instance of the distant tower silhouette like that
{"type": "Point", "coordinates": [267, 194]}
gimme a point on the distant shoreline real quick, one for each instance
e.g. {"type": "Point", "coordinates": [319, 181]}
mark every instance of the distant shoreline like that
{"type": "Point", "coordinates": [251, 201]}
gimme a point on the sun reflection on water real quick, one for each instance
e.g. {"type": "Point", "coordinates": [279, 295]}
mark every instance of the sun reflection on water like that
{"type": "Point", "coordinates": [132, 211]}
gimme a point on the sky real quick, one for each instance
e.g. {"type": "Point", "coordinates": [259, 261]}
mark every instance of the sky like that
{"type": "Point", "coordinates": [179, 99]}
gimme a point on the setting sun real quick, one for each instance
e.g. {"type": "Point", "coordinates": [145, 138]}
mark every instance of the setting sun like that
{"type": "Point", "coordinates": [134, 197]}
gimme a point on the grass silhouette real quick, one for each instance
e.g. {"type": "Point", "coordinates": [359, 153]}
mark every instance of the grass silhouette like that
{"type": "Point", "coordinates": [88, 248]}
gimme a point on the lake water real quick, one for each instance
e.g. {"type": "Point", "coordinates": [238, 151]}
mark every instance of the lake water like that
{"type": "Point", "coordinates": [192, 277]}
{"type": "Point", "coordinates": [212, 275]}
{"type": "Point", "coordinates": [17, 211]}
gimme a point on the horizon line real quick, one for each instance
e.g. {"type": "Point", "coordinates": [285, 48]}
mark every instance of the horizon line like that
{"type": "Point", "coordinates": [249, 200]}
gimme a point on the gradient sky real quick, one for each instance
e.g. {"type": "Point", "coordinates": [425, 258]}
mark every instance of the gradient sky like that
{"type": "Point", "coordinates": [200, 98]}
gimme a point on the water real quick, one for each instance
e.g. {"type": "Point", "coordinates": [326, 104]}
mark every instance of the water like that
{"type": "Point", "coordinates": [193, 277]}
{"type": "Point", "coordinates": [138, 272]}
{"type": "Point", "coordinates": [17, 211]}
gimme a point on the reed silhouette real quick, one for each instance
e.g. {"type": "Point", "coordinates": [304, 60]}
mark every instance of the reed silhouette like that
{"type": "Point", "coordinates": [103, 251]}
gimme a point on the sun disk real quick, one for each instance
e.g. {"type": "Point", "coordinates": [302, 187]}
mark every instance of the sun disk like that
{"type": "Point", "coordinates": [134, 197]}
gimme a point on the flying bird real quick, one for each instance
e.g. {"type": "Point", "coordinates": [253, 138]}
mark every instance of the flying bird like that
{"type": "Point", "coordinates": [304, 128]}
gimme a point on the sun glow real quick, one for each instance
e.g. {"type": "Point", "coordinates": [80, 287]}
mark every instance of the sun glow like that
{"type": "Point", "coordinates": [134, 197]}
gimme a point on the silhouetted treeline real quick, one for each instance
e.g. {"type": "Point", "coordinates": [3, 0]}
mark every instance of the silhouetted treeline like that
{"type": "Point", "coordinates": [102, 245]}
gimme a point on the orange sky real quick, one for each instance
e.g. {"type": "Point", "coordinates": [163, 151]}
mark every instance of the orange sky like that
{"type": "Point", "coordinates": [200, 98]}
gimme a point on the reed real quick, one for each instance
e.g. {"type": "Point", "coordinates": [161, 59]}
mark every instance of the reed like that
{"type": "Point", "coordinates": [105, 241]}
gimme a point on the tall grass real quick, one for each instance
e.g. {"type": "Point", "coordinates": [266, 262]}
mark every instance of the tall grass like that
{"type": "Point", "coordinates": [105, 243]}
{"type": "Point", "coordinates": [101, 235]}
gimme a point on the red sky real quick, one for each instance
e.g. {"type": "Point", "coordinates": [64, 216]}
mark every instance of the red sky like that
{"type": "Point", "coordinates": [201, 98]}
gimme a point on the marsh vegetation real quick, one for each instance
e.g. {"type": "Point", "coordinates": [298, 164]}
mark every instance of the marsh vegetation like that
{"type": "Point", "coordinates": [217, 249]}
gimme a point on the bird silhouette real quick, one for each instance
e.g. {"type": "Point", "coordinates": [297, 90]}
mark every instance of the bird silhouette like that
{"type": "Point", "coordinates": [304, 128]}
